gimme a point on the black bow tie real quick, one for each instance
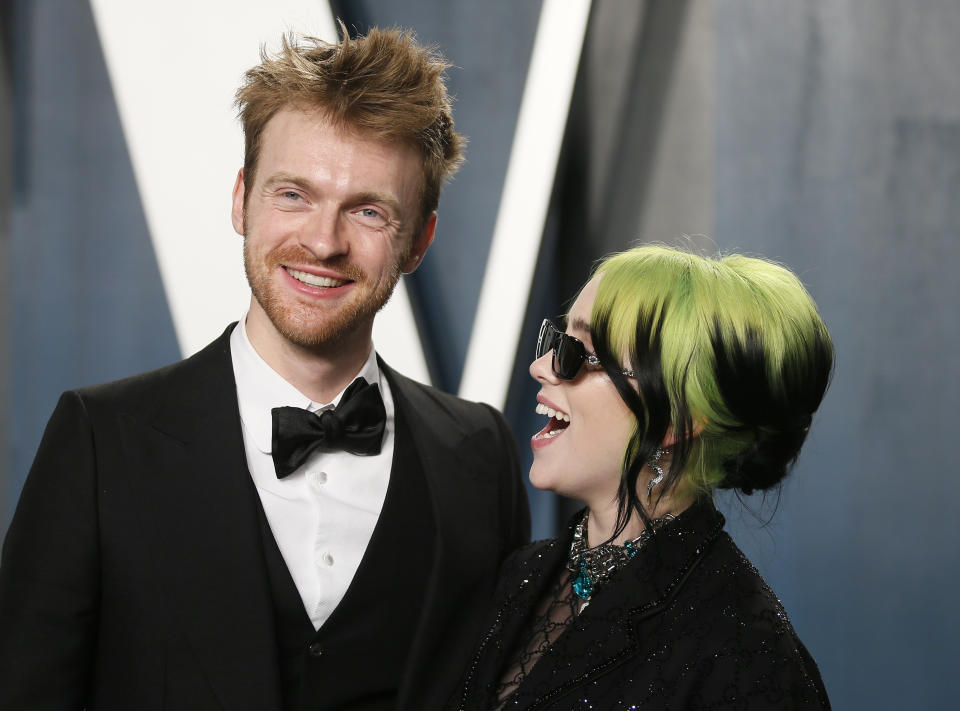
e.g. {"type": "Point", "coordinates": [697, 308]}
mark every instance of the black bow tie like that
{"type": "Point", "coordinates": [355, 426]}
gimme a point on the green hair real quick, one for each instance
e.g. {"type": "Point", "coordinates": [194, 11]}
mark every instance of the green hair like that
{"type": "Point", "coordinates": [730, 354]}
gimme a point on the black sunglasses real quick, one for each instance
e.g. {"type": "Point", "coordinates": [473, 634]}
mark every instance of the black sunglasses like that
{"type": "Point", "coordinates": [569, 353]}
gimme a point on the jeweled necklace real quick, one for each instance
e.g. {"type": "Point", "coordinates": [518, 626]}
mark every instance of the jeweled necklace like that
{"type": "Point", "coordinates": [595, 566]}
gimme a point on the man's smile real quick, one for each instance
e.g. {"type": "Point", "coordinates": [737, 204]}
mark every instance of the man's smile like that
{"type": "Point", "coordinates": [322, 282]}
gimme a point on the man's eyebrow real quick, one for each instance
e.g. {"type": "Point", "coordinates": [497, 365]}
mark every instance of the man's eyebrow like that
{"type": "Point", "coordinates": [278, 178]}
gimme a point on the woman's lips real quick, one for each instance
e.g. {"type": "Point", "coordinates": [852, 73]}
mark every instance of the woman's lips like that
{"type": "Point", "coordinates": [556, 425]}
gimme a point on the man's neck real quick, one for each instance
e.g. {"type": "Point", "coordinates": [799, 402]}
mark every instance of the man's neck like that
{"type": "Point", "coordinates": [319, 372]}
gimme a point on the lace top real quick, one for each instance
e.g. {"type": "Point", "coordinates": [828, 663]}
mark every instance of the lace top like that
{"type": "Point", "coordinates": [551, 619]}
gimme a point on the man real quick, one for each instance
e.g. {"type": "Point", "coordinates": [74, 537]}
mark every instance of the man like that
{"type": "Point", "coordinates": [194, 538]}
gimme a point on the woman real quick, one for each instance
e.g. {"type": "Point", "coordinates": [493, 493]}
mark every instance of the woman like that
{"type": "Point", "coordinates": [676, 375]}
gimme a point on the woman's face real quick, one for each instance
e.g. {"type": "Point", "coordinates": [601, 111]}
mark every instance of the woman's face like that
{"type": "Point", "coordinates": [582, 459]}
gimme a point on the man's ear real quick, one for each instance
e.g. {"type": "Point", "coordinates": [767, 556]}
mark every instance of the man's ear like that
{"type": "Point", "coordinates": [236, 213]}
{"type": "Point", "coordinates": [420, 243]}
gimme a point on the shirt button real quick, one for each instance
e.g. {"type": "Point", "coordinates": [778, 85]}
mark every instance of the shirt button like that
{"type": "Point", "coordinates": [327, 559]}
{"type": "Point", "coordinates": [318, 479]}
{"type": "Point", "coordinates": [315, 649]}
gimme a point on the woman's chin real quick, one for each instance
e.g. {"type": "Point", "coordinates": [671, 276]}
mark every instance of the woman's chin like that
{"type": "Point", "coordinates": [550, 479]}
{"type": "Point", "coordinates": [541, 477]}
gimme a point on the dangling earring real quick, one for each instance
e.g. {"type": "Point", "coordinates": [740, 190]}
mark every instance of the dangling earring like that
{"type": "Point", "coordinates": [653, 464]}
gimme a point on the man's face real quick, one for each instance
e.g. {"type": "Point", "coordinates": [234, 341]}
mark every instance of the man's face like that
{"type": "Point", "coordinates": [327, 228]}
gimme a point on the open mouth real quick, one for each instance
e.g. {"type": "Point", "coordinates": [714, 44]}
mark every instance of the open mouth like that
{"type": "Point", "coordinates": [558, 422]}
{"type": "Point", "coordinates": [314, 280]}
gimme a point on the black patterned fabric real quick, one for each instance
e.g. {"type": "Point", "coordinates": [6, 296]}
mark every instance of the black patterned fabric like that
{"type": "Point", "coordinates": [687, 624]}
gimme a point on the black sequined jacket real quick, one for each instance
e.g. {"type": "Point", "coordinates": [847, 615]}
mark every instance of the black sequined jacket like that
{"type": "Point", "coordinates": [687, 624]}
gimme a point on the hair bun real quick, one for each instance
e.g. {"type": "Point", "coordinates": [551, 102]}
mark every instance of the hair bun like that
{"type": "Point", "coordinates": [767, 461]}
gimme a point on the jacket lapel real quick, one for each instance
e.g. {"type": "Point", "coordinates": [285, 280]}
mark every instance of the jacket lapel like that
{"type": "Point", "coordinates": [463, 500]}
{"type": "Point", "coordinates": [207, 540]}
{"type": "Point", "coordinates": [604, 635]}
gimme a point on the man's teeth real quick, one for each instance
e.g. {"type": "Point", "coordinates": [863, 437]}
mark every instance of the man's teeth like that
{"type": "Point", "coordinates": [550, 412]}
{"type": "Point", "coordinates": [314, 280]}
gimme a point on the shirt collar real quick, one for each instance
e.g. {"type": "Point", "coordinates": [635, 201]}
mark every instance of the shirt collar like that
{"type": "Point", "coordinates": [260, 388]}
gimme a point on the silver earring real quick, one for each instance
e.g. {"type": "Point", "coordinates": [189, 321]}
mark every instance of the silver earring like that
{"type": "Point", "coordinates": [653, 463]}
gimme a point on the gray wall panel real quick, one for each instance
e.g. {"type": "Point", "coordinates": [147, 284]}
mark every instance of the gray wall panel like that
{"type": "Point", "coordinates": [838, 153]}
{"type": "Point", "coordinates": [6, 195]}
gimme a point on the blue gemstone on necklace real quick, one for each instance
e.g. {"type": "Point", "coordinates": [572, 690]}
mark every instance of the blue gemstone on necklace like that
{"type": "Point", "coordinates": [582, 584]}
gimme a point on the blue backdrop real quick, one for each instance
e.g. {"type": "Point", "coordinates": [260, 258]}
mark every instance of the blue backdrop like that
{"type": "Point", "coordinates": [832, 144]}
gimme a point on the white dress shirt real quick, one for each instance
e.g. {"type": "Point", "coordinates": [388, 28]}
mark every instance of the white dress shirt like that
{"type": "Point", "coordinates": [323, 514]}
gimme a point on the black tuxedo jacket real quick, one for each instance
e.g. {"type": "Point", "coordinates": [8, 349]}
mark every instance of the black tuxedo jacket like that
{"type": "Point", "coordinates": [688, 624]}
{"type": "Point", "coordinates": [133, 573]}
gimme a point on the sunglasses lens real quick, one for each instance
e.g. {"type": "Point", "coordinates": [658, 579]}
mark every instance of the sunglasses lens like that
{"type": "Point", "coordinates": [568, 352]}
{"type": "Point", "coordinates": [546, 339]}
{"type": "Point", "coordinates": [568, 356]}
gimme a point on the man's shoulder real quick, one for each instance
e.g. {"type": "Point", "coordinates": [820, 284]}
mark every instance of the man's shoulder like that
{"type": "Point", "coordinates": [190, 375]}
{"type": "Point", "coordinates": [429, 399]}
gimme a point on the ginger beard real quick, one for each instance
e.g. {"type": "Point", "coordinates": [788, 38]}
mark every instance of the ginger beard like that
{"type": "Point", "coordinates": [310, 325]}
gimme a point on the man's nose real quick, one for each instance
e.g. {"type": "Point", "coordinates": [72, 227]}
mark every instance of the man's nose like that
{"type": "Point", "coordinates": [324, 234]}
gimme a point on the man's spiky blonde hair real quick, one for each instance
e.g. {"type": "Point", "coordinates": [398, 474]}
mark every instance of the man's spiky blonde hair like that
{"type": "Point", "coordinates": [383, 84]}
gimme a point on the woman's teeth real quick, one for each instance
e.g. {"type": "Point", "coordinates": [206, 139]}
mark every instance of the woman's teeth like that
{"type": "Point", "coordinates": [547, 435]}
{"type": "Point", "coordinates": [557, 424]}
{"type": "Point", "coordinates": [550, 412]}
{"type": "Point", "coordinates": [314, 280]}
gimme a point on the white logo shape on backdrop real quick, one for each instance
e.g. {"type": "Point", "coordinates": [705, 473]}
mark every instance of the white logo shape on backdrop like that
{"type": "Point", "coordinates": [176, 109]}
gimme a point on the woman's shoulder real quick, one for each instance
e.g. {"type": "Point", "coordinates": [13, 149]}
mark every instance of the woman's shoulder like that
{"type": "Point", "coordinates": [742, 628]}
{"type": "Point", "coordinates": [729, 579]}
